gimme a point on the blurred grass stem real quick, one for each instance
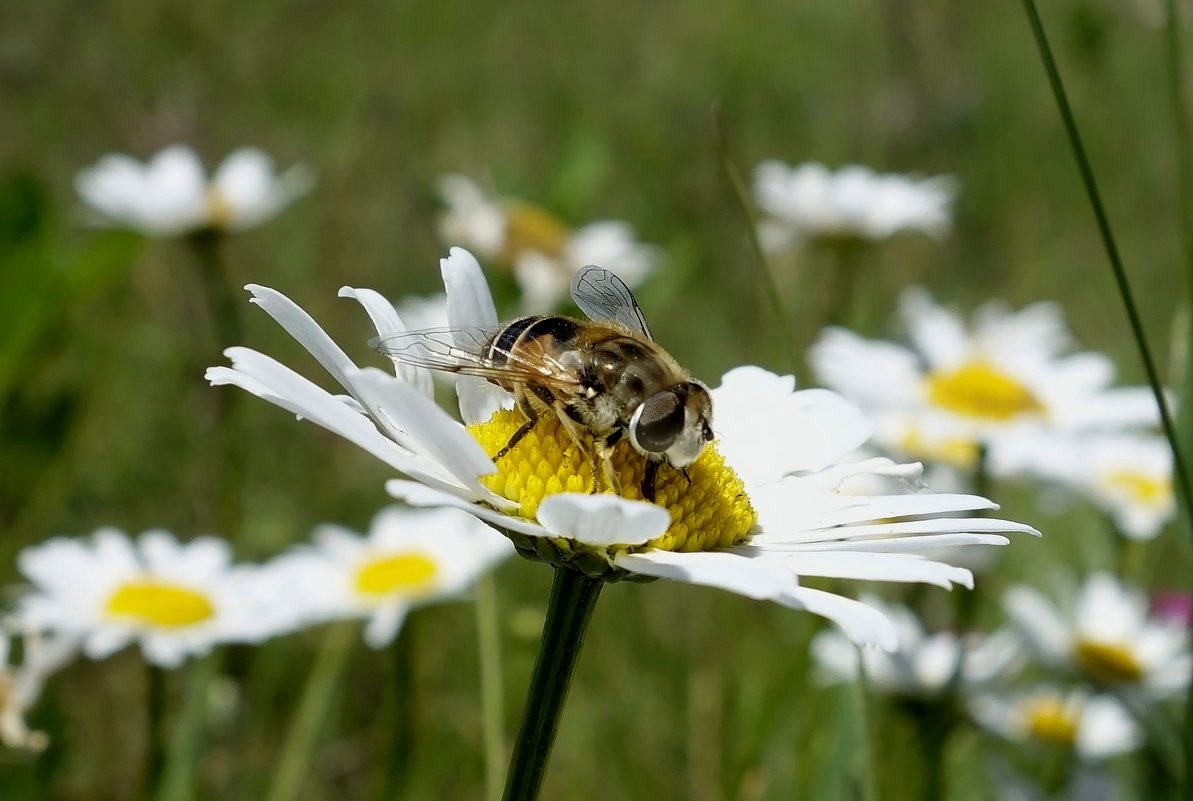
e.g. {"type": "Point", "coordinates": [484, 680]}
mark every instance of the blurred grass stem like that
{"type": "Point", "coordinates": [221, 301]}
{"type": "Point", "coordinates": [1184, 493]}
{"type": "Point", "coordinates": [742, 196]}
{"type": "Point", "coordinates": [396, 719]}
{"type": "Point", "coordinates": [155, 728]}
{"type": "Point", "coordinates": [573, 598]}
{"type": "Point", "coordinates": [311, 714]}
{"type": "Point", "coordinates": [187, 743]}
{"type": "Point", "coordinates": [488, 635]}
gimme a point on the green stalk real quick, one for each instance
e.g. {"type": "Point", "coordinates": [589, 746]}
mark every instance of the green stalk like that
{"type": "Point", "coordinates": [861, 705]}
{"type": "Point", "coordinates": [573, 597]}
{"type": "Point", "coordinates": [488, 635]}
{"type": "Point", "coordinates": [740, 194]}
{"type": "Point", "coordinates": [222, 303]}
{"type": "Point", "coordinates": [1184, 490]}
{"type": "Point", "coordinates": [186, 746]}
{"type": "Point", "coordinates": [846, 266]}
{"type": "Point", "coordinates": [311, 714]}
{"type": "Point", "coordinates": [155, 728]}
{"type": "Point", "coordinates": [396, 719]}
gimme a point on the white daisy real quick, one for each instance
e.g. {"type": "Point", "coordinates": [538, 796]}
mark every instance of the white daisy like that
{"type": "Point", "coordinates": [924, 664]}
{"type": "Point", "coordinates": [1106, 634]}
{"type": "Point", "coordinates": [170, 194]}
{"type": "Point", "coordinates": [756, 511]}
{"type": "Point", "coordinates": [955, 389]}
{"type": "Point", "coordinates": [410, 557]}
{"type": "Point", "coordinates": [1093, 727]}
{"type": "Point", "coordinates": [21, 685]}
{"type": "Point", "coordinates": [1127, 475]}
{"type": "Point", "coordinates": [175, 599]}
{"type": "Point", "coordinates": [810, 202]}
{"type": "Point", "coordinates": [543, 251]}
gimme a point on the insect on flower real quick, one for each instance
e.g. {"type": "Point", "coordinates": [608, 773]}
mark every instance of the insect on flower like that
{"type": "Point", "coordinates": [604, 378]}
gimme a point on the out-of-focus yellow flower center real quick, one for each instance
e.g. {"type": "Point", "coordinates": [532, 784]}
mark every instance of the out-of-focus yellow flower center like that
{"type": "Point", "coordinates": [949, 450]}
{"type": "Point", "coordinates": [980, 390]}
{"type": "Point", "coordinates": [219, 211]}
{"type": "Point", "coordinates": [405, 573]}
{"type": "Point", "coordinates": [1108, 662]}
{"type": "Point", "coordinates": [710, 512]}
{"type": "Point", "coordinates": [1141, 488]}
{"type": "Point", "coordinates": [1049, 718]}
{"type": "Point", "coordinates": [529, 227]}
{"type": "Point", "coordinates": [158, 604]}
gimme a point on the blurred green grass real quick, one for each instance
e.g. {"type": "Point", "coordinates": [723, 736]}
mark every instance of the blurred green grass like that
{"type": "Point", "coordinates": [596, 110]}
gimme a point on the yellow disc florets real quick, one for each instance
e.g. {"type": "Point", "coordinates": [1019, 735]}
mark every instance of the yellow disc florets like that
{"type": "Point", "coordinates": [709, 507]}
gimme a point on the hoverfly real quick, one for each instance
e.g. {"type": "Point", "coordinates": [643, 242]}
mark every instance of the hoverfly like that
{"type": "Point", "coordinates": [605, 376]}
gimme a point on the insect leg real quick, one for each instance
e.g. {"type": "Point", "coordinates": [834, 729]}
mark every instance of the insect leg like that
{"type": "Point", "coordinates": [527, 408]}
{"type": "Point", "coordinates": [648, 479]}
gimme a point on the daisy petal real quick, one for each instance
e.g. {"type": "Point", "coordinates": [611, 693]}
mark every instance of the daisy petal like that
{"type": "Point", "coordinates": [602, 520]}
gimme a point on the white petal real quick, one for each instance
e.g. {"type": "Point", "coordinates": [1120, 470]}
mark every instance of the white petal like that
{"type": "Point", "coordinates": [303, 327]}
{"type": "Point", "coordinates": [861, 623]}
{"type": "Point", "coordinates": [385, 624]}
{"type": "Point", "coordinates": [387, 322]}
{"type": "Point", "coordinates": [469, 304]}
{"type": "Point", "coordinates": [761, 579]}
{"type": "Point", "coordinates": [602, 520]}
{"type": "Point", "coordinates": [1039, 622]}
{"type": "Point", "coordinates": [869, 566]}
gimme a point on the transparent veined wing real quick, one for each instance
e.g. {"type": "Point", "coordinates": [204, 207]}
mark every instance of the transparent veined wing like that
{"type": "Point", "coordinates": [471, 351]}
{"type": "Point", "coordinates": [603, 296]}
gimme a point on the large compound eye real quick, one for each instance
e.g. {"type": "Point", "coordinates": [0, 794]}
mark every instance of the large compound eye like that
{"type": "Point", "coordinates": [658, 422]}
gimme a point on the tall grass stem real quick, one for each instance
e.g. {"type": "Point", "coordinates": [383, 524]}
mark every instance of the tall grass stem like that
{"type": "Point", "coordinates": [303, 734]}
{"type": "Point", "coordinates": [187, 743]}
{"type": "Point", "coordinates": [573, 598]}
{"type": "Point", "coordinates": [396, 719]}
{"type": "Point", "coordinates": [488, 635]}
{"type": "Point", "coordinates": [742, 196]}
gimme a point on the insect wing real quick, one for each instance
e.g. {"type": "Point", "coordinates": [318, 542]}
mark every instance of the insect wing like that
{"type": "Point", "coordinates": [470, 351]}
{"type": "Point", "coordinates": [603, 296]}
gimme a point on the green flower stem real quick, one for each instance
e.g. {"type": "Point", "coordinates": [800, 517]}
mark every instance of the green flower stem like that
{"type": "Point", "coordinates": [392, 768]}
{"type": "Point", "coordinates": [187, 742]}
{"type": "Point", "coordinates": [309, 718]}
{"type": "Point", "coordinates": [155, 728]}
{"type": "Point", "coordinates": [845, 268]}
{"type": "Point", "coordinates": [934, 723]}
{"type": "Point", "coordinates": [573, 597]}
{"type": "Point", "coordinates": [488, 634]}
{"type": "Point", "coordinates": [742, 196]}
{"type": "Point", "coordinates": [1183, 487]}
{"type": "Point", "coordinates": [222, 310]}
{"type": "Point", "coordinates": [865, 730]}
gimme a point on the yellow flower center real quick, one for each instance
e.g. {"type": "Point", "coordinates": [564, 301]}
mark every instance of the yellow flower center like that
{"type": "Point", "coordinates": [1108, 662]}
{"type": "Point", "coordinates": [1141, 488]}
{"type": "Point", "coordinates": [1049, 719]}
{"type": "Point", "coordinates": [980, 390]}
{"type": "Point", "coordinates": [160, 605]}
{"type": "Point", "coordinates": [405, 573]}
{"type": "Point", "coordinates": [529, 227]}
{"type": "Point", "coordinates": [948, 450]}
{"type": "Point", "coordinates": [219, 211]}
{"type": "Point", "coordinates": [709, 507]}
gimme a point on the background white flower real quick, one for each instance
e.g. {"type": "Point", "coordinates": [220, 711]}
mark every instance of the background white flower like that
{"type": "Point", "coordinates": [810, 201]}
{"type": "Point", "coordinates": [1094, 727]}
{"type": "Point", "coordinates": [955, 388]}
{"type": "Point", "coordinates": [924, 664]}
{"type": "Point", "coordinates": [1105, 633]}
{"type": "Point", "coordinates": [1127, 475]}
{"type": "Point", "coordinates": [170, 194]}
{"type": "Point", "coordinates": [410, 557]}
{"type": "Point", "coordinates": [543, 251]}
{"type": "Point", "coordinates": [753, 514]}
{"type": "Point", "coordinates": [175, 599]}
